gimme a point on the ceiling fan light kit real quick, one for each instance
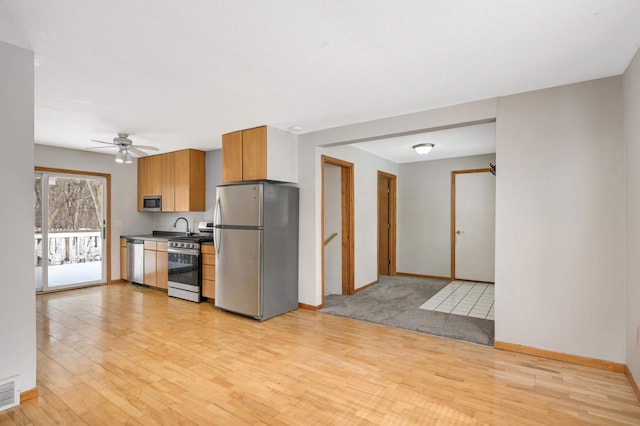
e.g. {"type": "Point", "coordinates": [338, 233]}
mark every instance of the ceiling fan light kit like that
{"type": "Point", "coordinates": [423, 148]}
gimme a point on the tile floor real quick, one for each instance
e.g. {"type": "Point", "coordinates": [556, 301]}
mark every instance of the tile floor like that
{"type": "Point", "coordinates": [464, 298]}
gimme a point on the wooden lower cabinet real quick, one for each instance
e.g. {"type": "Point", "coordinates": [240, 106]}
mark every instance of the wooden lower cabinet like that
{"type": "Point", "coordinates": [162, 265]}
{"type": "Point", "coordinates": [155, 264]}
{"type": "Point", "coordinates": [208, 271]}
{"type": "Point", "coordinates": [123, 258]}
{"type": "Point", "coordinates": [150, 263]}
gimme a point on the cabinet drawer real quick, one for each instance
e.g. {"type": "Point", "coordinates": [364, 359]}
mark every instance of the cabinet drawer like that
{"type": "Point", "coordinates": [123, 242]}
{"type": "Point", "coordinates": [161, 246]}
{"type": "Point", "coordinates": [208, 259]}
{"type": "Point", "coordinates": [150, 245]}
{"type": "Point", "coordinates": [208, 272]}
{"type": "Point", "coordinates": [209, 289]}
{"type": "Point", "coordinates": [208, 249]}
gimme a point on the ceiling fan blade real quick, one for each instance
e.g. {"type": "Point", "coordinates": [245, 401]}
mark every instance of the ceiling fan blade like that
{"type": "Point", "coordinates": [101, 147]}
{"type": "Point", "coordinates": [108, 143]}
{"type": "Point", "coordinates": [149, 148]}
{"type": "Point", "coordinates": [136, 151]}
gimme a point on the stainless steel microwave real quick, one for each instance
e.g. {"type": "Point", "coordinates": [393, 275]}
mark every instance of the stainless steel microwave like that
{"type": "Point", "coordinates": [152, 203]}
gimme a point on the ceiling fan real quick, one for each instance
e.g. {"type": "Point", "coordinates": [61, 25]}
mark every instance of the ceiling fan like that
{"type": "Point", "coordinates": [125, 148]}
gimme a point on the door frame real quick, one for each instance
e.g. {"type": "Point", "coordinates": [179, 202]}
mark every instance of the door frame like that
{"type": "Point", "coordinates": [454, 173]}
{"type": "Point", "coordinates": [107, 178]}
{"type": "Point", "coordinates": [348, 251]}
{"type": "Point", "coordinates": [392, 222]}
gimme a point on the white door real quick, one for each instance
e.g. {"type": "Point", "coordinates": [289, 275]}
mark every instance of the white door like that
{"type": "Point", "coordinates": [475, 226]}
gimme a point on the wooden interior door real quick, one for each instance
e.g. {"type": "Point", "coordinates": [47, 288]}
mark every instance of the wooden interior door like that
{"type": "Point", "coordinates": [347, 225]}
{"type": "Point", "coordinates": [384, 192]}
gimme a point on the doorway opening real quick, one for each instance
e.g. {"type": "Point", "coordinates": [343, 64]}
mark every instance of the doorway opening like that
{"type": "Point", "coordinates": [386, 223]}
{"type": "Point", "coordinates": [337, 227]}
{"type": "Point", "coordinates": [71, 248]}
{"type": "Point", "coordinates": [473, 210]}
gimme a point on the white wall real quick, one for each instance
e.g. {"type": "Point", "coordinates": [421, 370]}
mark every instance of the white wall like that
{"type": "Point", "coordinates": [333, 224]}
{"type": "Point", "coordinates": [309, 151]}
{"type": "Point", "coordinates": [424, 213]}
{"type": "Point", "coordinates": [560, 220]}
{"type": "Point", "coordinates": [365, 184]}
{"type": "Point", "coordinates": [213, 177]}
{"type": "Point", "coordinates": [125, 219]}
{"type": "Point", "coordinates": [17, 295]}
{"type": "Point", "coordinates": [631, 89]}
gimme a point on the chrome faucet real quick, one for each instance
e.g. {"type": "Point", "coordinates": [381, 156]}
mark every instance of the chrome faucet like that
{"type": "Point", "coordinates": [185, 219]}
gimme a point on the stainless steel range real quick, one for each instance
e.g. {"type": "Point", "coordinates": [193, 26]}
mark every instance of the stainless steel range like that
{"type": "Point", "coordinates": [185, 264]}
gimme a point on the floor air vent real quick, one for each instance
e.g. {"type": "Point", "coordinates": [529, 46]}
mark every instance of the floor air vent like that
{"type": "Point", "coordinates": [9, 395]}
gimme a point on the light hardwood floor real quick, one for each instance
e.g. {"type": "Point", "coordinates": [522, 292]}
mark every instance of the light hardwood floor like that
{"type": "Point", "coordinates": [128, 355]}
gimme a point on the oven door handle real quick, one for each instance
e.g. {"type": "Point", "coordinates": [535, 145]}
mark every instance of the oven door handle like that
{"type": "Point", "coordinates": [190, 252]}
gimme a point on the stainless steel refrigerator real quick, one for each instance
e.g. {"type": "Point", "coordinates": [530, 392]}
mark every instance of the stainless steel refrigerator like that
{"type": "Point", "coordinates": [256, 240]}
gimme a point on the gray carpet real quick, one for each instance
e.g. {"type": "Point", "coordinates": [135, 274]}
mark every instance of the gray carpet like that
{"type": "Point", "coordinates": [394, 301]}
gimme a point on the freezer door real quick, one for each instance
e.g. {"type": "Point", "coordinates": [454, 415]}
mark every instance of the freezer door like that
{"type": "Point", "coordinates": [239, 271]}
{"type": "Point", "coordinates": [239, 205]}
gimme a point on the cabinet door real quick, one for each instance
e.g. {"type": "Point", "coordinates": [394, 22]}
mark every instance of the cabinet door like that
{"type": "Point", "coordinates": [162, 266]}
{"type": "Point", "coordinates": [254, 153]}
{"type": "Point", "coordinates": [154, 175]}
{"type": "Point", "coordinates": [189, 180]}
{"type": "Point", "coordinates": [197, 181]}
{"type": "Point", "coordinates": [209, 289]}
{"type": "Point", "coordinates": [123, 262]}
{"type": "Point", "coordinates": [232, 157]}
{"type": "Point", "coordinates": [143, 164]}
{"type": "Point", "coordinates": [168, 184]}
{"type": "Point", "coordinates": [150, 268]}
{"type": "Point", "coordinates": [149, 177]}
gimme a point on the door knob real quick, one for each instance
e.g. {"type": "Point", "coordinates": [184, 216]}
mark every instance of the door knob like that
{"type": "Point", "coordinates": [459, 232]}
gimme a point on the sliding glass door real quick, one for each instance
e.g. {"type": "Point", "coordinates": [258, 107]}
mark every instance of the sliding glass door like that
{"type": "Point", "coordinates": [70, 228]}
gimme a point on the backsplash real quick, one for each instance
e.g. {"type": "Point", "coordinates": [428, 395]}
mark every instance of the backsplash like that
{"type": "Point", "coordinates": [165, 221]}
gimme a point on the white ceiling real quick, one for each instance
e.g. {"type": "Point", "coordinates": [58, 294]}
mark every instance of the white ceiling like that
{"type": "Point", "coordinates": [457, 142]}
{"type": "Point", "coordinates": [179, 74]}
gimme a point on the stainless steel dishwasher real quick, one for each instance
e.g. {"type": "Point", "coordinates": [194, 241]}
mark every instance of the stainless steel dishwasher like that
{"type": "Point", "coordinates": [135, 260]}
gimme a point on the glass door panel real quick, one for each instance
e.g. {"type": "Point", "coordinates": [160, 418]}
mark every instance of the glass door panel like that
{"type": "Point", "coordinates": [69, 243]}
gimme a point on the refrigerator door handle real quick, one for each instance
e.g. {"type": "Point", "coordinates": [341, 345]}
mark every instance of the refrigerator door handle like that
{"type": "Point", "coordinates": [217, 220]}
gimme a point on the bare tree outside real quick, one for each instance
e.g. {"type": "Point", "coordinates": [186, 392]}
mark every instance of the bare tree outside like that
{"type": "Point", "coordinates": [74, 207]}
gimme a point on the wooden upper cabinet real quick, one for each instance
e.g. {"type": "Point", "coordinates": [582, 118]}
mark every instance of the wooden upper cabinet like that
{"type": "Point", "coordinates": [254, 153]}
{"type": "Point", "coordinates": [154, 175]}
{"type": "Point", "coordinates": [258, 154]}
{"type": "Point", "coordinates": [232, 157]}
{"type": "Point", "coordinates": [189, 180]}
{"type": "Point", "coordinates": [179, 177]}
{"type": "Point", "coordinates": [168, 178]}
{"type": "Point", "coordinates": [149, 178]}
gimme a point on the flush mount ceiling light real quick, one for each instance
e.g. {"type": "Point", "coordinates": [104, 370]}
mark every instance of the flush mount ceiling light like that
{"type": "Point", "coordinates": [423, 148]}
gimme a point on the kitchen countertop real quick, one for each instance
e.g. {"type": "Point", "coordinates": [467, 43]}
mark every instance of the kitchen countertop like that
{"type": "Point", "coordinates": [156, 236]}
